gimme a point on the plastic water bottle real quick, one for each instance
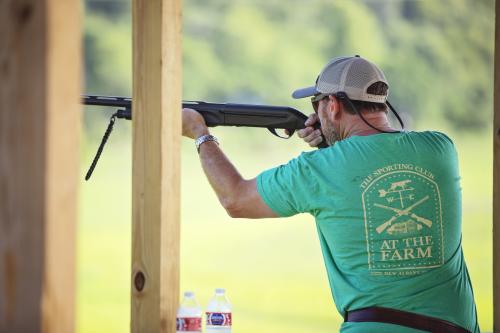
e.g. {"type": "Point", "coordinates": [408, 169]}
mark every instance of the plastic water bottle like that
{"type": "Point", "coordinates": [189, 314]}
{"type": "Point", "coordinates": [218, 313]}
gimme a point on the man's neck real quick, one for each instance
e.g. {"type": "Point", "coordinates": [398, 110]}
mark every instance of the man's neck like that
{"type": "Point", "coordinates": [357, 127]}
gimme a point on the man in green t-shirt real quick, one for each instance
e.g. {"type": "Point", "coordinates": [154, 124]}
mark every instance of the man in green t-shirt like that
{"type": "Point", "coordinates": [387, 205]}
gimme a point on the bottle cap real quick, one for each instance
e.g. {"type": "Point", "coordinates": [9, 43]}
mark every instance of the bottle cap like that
{"type": "Point", "coordinates": [188, 294]}
{"type": "Point", "coordinates": [220, 291]}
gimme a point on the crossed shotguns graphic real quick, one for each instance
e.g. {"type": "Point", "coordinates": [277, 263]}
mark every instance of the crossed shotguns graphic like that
{"type": "Point", "coordinates": [403, 212]}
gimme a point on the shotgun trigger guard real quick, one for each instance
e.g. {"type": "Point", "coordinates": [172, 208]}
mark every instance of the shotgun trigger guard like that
{"type": "Point", "coordinates": [273, 131]}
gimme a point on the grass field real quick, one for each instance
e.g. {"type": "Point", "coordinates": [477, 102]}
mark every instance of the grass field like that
{"type": "Point", "coordinates": [272, 269]}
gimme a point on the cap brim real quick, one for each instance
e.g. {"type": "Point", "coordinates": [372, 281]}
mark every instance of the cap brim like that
{"type": "Point", "coordinates": [305, 92]}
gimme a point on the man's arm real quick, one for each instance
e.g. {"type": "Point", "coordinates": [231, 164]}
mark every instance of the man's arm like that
{"type": "Point", "coordinates": [238, 196]}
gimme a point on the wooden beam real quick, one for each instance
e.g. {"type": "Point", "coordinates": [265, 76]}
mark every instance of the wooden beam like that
{"type": "Point", "coordinates": [496, 178]}
{"type": "Point", "coordinates": [156, 164]}
{"type": "Point", "coordinates": [39, 157]}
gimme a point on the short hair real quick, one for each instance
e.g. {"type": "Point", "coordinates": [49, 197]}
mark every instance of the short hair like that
{"type": "Point", "coordinates": [377, 88]}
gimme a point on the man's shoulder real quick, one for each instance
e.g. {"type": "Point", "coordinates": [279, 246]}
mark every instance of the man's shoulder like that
{"type": "Point", "coordinates": [305, 158]}
{"type": "Point", "coordinates": [413, 137]}
{"type": "Point", "coordinates": [434, 140]}
{"type": "Point", "coordinates": [434, 135]}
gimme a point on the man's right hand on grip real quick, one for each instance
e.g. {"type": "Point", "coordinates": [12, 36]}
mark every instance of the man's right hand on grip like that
{"type": "Point", "coordinates": [311, 134]}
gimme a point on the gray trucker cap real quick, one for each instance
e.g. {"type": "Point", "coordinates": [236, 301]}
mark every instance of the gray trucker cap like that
{"type": "Point", "coordinates": [352, 75]}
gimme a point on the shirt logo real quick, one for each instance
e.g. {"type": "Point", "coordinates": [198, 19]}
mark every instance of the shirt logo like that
{"type": "Point", "coordinates": [403, 223]}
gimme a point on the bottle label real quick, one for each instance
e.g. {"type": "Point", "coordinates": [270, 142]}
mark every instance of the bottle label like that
{"type": "Point", "coordinates": [219, 319]}
{"type": "Point", "coordinates": [189, 324]}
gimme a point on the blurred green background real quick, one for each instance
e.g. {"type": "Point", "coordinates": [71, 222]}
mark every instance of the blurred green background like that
{"type": "Point", "coordinates": [438, 58]}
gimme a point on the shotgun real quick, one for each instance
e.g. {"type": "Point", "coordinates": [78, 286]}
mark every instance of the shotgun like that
{"type": "Point", "coordinates": [215, 114]}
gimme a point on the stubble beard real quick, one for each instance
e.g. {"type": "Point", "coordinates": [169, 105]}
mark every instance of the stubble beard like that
{"type": "Point", "coordinates": [329, 133]}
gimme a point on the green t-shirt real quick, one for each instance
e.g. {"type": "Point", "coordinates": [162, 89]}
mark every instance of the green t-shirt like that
{"type": "Point", "coordinates": [388, 215]}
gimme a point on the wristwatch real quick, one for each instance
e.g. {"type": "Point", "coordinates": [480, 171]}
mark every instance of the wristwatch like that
{"type": "Point", "coordinates": [203, 139]}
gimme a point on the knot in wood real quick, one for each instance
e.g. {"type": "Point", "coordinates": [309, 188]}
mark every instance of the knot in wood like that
{"type": "Point", "coordinates": [139, 281]}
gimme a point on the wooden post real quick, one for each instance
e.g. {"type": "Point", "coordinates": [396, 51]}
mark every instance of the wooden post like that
{"type": "Point", "coordinates": [496, 178]}
{"type": "Point", "coordinates": [156, 164]}
{"type": "Point", "coordinates": [39, 157]}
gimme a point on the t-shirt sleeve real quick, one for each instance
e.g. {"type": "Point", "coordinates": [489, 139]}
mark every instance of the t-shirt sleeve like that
{"type": "Point", "coordinates": [288, 189]}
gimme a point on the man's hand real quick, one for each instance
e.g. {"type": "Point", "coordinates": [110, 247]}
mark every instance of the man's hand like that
{"type": "Point", "coordinates": [310, 135]}
{"type": "Point", "coordinates": [193, 124]}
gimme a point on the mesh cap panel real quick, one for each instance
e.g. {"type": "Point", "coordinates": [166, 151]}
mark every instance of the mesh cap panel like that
{"type": "Point", "coordinates": [352, 75]}
{"type": "Point", "coordinates": [359, 73]}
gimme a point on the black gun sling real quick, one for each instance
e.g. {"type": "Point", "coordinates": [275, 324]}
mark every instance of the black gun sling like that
{"type": "Point", "coordinates": [403, 318]}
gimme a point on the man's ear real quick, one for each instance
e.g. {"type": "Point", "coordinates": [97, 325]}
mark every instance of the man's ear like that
{"type": "Point", "coordinates": [335, 110]}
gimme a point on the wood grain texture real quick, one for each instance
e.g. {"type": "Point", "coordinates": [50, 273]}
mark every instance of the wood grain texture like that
{"type": "Point", "coordinates": [39, 136]}
{"type": "Point", "coordinates": [496, 178]}
{"type": "Point", "coordinates": [156, 164]}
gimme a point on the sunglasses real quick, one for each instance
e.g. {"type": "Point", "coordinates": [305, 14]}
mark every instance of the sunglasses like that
{"type": "Point", "coordinates": [316, 99]}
